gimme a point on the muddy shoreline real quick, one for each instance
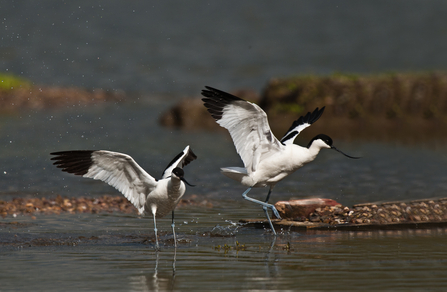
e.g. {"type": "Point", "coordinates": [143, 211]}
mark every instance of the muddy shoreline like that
{"type": "Point", "coordinates": [407, 107]}
{"type": "Point", "coordinates": [75, 205]}
{"type": "Point", "coordinates": [416, 214]}
{"type": "Point", "coordinates": [47, 97]}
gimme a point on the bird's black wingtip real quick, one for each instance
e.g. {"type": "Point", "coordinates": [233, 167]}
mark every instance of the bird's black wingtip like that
{"type": "Point", "coordinates": [221, 96]}
{"type": "Point", "coordinates": [317, 114]}
{"type": "Point", "coordinates": [76, 162]}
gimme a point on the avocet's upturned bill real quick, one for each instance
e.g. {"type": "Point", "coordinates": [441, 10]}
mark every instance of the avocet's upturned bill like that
{"type": "Point", "coordinates": [148, 195]}
{"type": "Point", "coordinates": [266, 159]}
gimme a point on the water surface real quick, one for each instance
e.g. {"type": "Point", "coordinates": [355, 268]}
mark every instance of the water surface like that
{"type": "Point", "coordinates": [177, 48]}
{"type": "Point", "coordinates": [115, 251]}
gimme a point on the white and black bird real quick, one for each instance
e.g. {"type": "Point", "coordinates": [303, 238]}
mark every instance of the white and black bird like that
{"type": "Point", "coordinates": [148, 195]}
{"type": "Point", "coordinates": [266, 159]}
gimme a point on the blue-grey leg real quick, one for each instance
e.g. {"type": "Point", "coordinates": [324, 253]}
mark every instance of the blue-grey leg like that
{"type": "Point", "coordinates": [266, 211]}
{"type": "Point", "coordinates": [156, 235]}
{"type": "Point", "coordinates": [173, 229]}
{"type": "Point", "coordinates": [268, 195]}
{"type": "Point", "coordinates": [270, 221]}
{"type": "Point", "coordinates": [273, 206]}
{"type": "Point", "coordinates": [264, 205]}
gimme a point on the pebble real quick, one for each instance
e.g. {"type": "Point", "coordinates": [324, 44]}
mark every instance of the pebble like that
{"type": "Point", "coordinates": [384, 213]}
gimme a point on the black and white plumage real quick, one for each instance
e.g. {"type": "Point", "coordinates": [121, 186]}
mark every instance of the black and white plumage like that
{"type": "Point", "coordinates": [266, 159]}
{"type": "Point", "coordinates": [148, 195]}
{"type": "Point", "coordinates": [302, 123]}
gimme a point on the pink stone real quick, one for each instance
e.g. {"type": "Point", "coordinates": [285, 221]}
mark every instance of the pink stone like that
{"type": "Point", "coordinates": [294, 209]}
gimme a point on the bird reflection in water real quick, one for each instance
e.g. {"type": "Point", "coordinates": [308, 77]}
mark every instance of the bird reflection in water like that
{"type": "Point", "coordinates": [270, 261]}
{"type": "Point", "coordinates": [160, 280]}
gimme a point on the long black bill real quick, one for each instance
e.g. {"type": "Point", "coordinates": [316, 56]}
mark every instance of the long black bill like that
{"type": "Point", "coordinates": [332, 147]}
{"type": "Point", "coordinates": [184, 180]}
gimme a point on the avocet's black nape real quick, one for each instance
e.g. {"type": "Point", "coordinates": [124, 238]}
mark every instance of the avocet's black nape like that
{"type": "Point", "coordinates": [326, 139]}
{"type": "Point", "coordinates": [190, 156]}
{"type": "Point", "coordinates": [180, 173]}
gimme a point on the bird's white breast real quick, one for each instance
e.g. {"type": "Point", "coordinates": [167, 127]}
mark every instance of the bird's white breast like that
{"type": "Point", "coordinates": [165, 196]}
{"type": "Point", "coordinates": [279, 165]}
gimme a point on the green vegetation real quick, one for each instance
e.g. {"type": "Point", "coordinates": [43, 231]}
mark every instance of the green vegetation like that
{"type": "Point", "coordinates": [390, 95]}
{"type": "Point", "coordinates": [10, 81]}
{"type": "Point", "coordinates": [289, 107]}
{"type": "Point", "coordinates": [226, 248]}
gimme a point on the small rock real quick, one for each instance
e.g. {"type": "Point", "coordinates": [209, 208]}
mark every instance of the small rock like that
{"type": "Point", "coordinates": [302, 208]}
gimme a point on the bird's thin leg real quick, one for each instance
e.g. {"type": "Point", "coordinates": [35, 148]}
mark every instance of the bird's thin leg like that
{"type": "Point", "coordinates": [270, 221]}
{"type": "Point", "coordinates": [173, 229]}
{"type": "Point", "coordinates": [268, 195]}
{"type": "Point", "coordinates": [267, 213]}
{"type": "Point", "coordinates": [265, 205]}
{"type": "Point", "coordinates": [156, 235]}
{"type": "Point", "coordinates": [272, 206]}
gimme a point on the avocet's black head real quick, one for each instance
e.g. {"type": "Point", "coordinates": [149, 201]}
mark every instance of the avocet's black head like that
{"type": "Point", "coordinates": [178, 172]}
{"type": "Point", "coordinates": [327, 141]}
{"type": "Point", "coordinates": [325, 138]}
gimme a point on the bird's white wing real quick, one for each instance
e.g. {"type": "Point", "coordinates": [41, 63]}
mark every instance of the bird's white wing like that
{"type": "Point", "coordinates": [300, 124]}
{"type": "Point", "coordinates": [181, 160]}
{"type": "Point", "coordinates": [247, 124]}
{"type": "Point", "coordinates": [117, 169]}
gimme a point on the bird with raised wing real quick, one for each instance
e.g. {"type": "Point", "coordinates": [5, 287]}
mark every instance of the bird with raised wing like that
{"type": "Point", "coordinates": [266, 159]}
{"type": "Point", "coordinates": [148, 195]}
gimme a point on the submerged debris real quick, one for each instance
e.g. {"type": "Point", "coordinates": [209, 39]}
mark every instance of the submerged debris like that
{"type": "Point", "coordinates": [226, 248]}
{"type": "Point", "coordinates": [23, 240]}
{"type": "Point", "coordinates": [61, 204]}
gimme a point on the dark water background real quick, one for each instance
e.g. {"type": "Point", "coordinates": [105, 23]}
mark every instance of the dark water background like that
{"type": "Point", "coordinates": [177, 47]}
{"type": "Point", "coordinates": [164, 51]}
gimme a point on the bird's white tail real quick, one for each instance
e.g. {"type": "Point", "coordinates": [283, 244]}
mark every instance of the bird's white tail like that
{"type": "Point", "coordinates": [236, 173]}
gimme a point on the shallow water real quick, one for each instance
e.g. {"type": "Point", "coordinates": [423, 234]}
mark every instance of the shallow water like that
{"type": "Point", "coordinates": [115, 251]}
{"type": "Point", "coordinates": [410, 260]}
